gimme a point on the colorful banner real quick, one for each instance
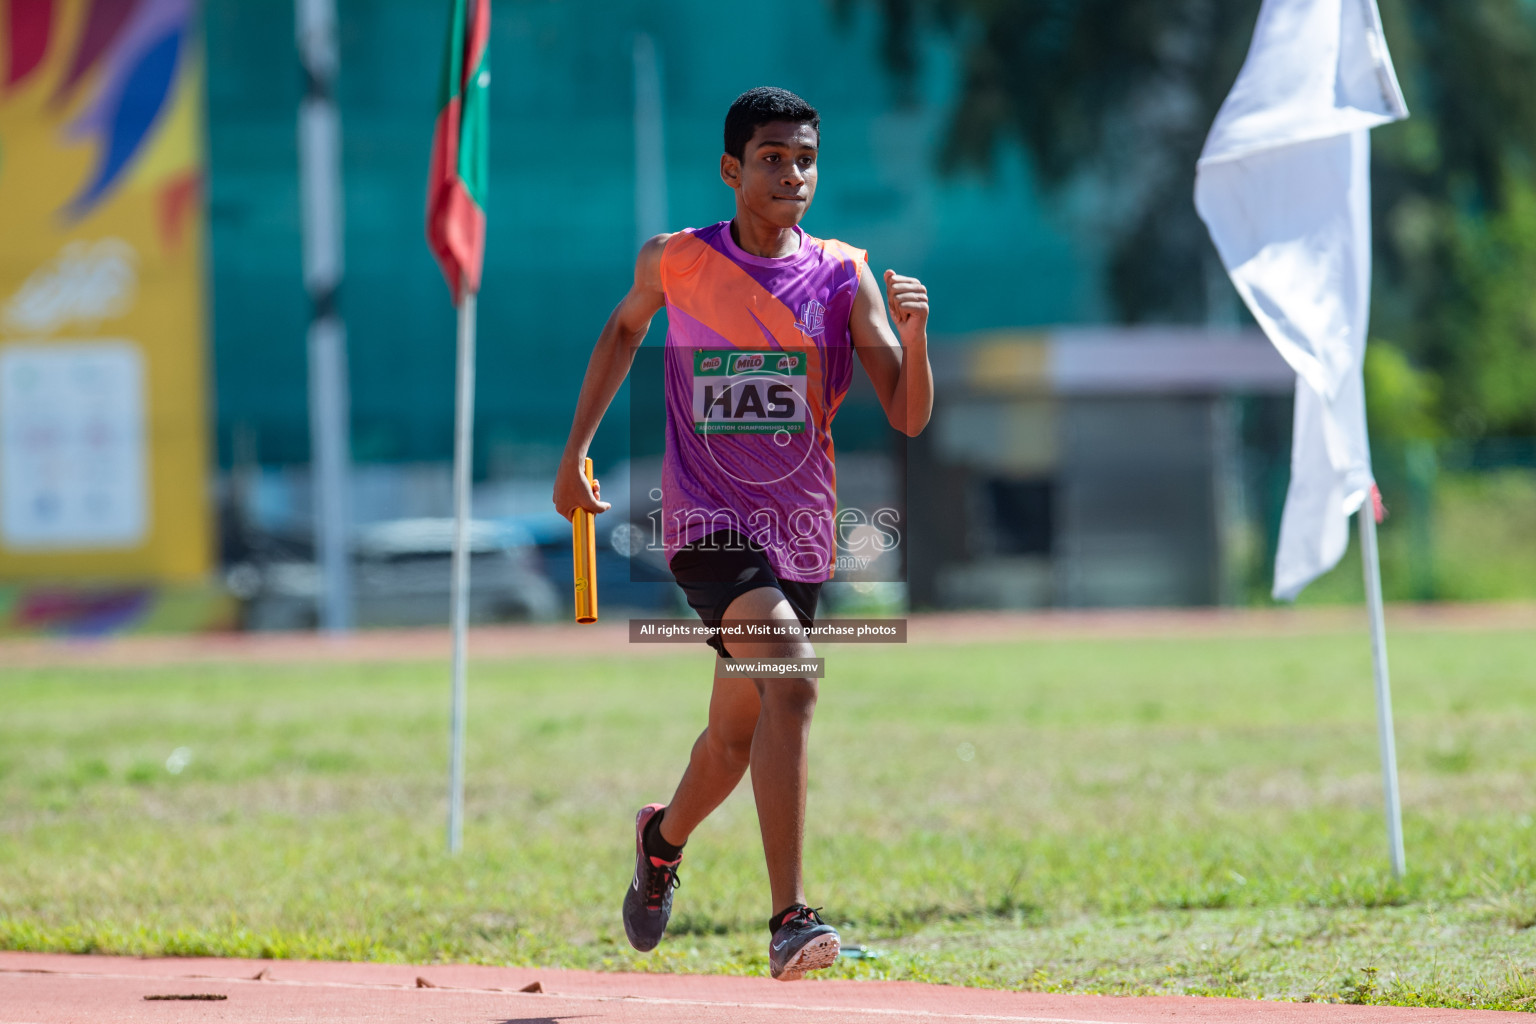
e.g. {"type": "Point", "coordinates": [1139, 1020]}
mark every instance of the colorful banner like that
{"type": "Point", "coordinates": [103, 379]}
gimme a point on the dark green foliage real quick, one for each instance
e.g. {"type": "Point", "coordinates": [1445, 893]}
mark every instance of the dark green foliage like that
{"type": "Point", "coordinates": [1122, 92]}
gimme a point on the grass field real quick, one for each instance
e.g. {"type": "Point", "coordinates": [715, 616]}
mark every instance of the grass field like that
{"type": "Point", "coordinates": [1179, 814]}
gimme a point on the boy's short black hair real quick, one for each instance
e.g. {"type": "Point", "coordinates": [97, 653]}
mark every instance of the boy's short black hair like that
{"type": "Point", "coordinates": [763, 105]}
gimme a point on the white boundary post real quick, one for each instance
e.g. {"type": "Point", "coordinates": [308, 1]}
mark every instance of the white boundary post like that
{"type": "Point", "coordinates": [1371, 560]}
{"type": "Point", "coordinates": [463, 447]}
{"type": "Point", "coordinates": [321, 197]}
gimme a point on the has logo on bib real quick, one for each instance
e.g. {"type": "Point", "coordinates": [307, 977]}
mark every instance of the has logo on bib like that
{"type": "Point", "coordinates": [749, 393]}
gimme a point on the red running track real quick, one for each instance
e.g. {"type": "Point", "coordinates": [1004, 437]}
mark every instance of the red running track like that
{"type": "Point", "coordinates": [47, 988]}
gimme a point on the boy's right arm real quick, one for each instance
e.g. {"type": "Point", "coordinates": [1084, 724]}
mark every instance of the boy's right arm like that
{"type": "Point", "coordinates": [611, 359]}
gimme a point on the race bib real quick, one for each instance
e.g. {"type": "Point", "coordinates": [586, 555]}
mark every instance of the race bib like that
{"type": "Point", "coordinates": [749, 392]}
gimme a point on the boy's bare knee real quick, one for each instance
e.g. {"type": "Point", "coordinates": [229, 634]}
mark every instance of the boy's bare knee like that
{"type": "Point", "coordinates": [795, 695]}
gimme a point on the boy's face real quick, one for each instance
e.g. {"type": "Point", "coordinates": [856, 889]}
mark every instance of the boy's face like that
{"type": "Point", "coordinates": [776, 177]}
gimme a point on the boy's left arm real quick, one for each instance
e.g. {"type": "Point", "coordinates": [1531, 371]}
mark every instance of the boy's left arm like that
{"type": "Point", "coordinates": [899, 370]}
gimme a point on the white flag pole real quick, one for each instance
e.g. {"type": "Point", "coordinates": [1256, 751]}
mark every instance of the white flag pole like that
{"type": "Point", "coordinates": [459, 594]}
{"type": "Point", "coordinates": [1283, 183]}
{"type": "Point", "coordinates": [1371, 559]}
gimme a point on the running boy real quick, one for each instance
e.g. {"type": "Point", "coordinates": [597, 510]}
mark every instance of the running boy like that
{"type": "Point", "coordinates": [763, 322]}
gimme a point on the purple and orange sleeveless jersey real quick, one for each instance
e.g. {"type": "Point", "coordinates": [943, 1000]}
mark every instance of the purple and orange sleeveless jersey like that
{"type": "Point", "coordinates": [758, 359]}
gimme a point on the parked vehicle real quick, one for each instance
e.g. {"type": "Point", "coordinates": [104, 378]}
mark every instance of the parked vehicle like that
{"type": "Point", "coordinates": [401, 577]}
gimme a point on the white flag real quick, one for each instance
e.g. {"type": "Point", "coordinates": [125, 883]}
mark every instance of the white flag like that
{"type": "Point", "coordinates": [1283, 184]}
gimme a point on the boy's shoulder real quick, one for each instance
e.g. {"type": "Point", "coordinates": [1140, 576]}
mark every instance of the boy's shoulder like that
{"type": "Point", "coordinates": [833, 248]}
{"type": "Point", "coordinates": [711, 233]}
{"type": "Point", "coordinates": [704, 234]}
{"type": "Point", "coordinates": [839, 250]}
{"type": "Point", "coordinates": [691, 254]}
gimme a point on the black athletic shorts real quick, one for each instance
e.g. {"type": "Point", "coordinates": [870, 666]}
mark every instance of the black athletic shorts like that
{"type": "Point", "coordinates": [715, 570]}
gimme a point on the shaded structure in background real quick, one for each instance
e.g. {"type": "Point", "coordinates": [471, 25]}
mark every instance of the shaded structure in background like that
{"type": "Point", "coordinates": [1086, 467]}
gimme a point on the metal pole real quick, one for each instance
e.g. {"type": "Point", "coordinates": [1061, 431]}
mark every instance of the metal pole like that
{"type": "Point", "coordinates": [459, 594]}
{"type": "Point", "coordinates": [1372, 563]}
{"type": "Point", "coordinates": [328, 415]}
{"type": "Point", "coordinates": [321, 199]}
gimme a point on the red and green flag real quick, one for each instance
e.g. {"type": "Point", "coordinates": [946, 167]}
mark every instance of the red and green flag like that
{"type": "Point", "coordinates": [456, 180]}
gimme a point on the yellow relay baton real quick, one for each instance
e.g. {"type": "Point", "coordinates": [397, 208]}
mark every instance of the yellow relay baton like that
{"type": "Point", "coordinates": [584, 557]}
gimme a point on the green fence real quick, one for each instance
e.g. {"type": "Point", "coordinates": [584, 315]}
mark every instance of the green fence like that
{"type": "Point", "coordinates": [562, 226]}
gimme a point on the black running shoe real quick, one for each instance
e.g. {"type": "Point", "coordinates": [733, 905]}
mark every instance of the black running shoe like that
{"type": "Point", "coordinates": [803, 942]}
{"type": "Point", "coordinates": [648, 901]}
